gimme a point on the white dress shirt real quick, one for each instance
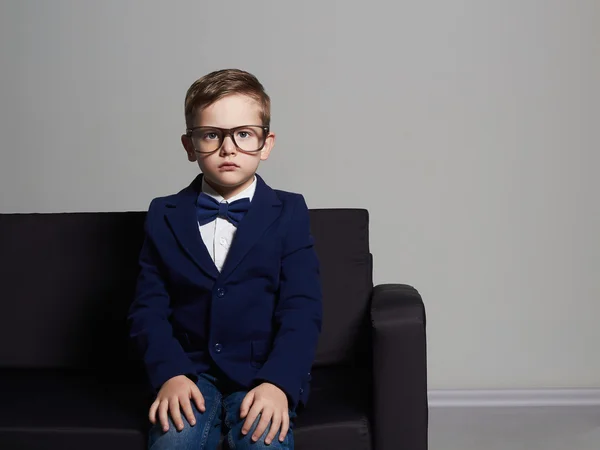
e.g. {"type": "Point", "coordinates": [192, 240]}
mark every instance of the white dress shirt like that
{"type": "Point", "coordinates": [218, 234]}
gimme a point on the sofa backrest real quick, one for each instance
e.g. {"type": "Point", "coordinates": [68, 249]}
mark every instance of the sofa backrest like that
{"type": "Point", "coordinates": [342, 244]}
{"type": "Point", "coordinates": [66, 283]}
{"type": "Point", "coordinates": [67, 279]}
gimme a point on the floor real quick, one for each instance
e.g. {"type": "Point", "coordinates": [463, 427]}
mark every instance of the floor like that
{"type": "Point", "coordinates": [515, 428]}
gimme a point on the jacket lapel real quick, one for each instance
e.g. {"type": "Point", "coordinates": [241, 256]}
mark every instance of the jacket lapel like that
{"type": "Point", "coordinates": [181, 217]}
{"type": "Point", "coordinates": [265, 208]}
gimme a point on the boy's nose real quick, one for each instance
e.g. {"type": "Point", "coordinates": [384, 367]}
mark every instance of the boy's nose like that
{"type": "Point", "coordinates": [228, 146]}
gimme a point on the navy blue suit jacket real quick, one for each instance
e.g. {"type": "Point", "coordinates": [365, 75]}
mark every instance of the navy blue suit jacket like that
{"type": "Point", "coordinates": [258, 319]}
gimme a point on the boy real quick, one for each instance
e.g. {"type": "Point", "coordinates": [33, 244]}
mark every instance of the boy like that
{"type": "Point", "coordinates": [228, 309]}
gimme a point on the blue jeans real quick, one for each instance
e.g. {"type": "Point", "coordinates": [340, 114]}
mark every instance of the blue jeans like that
{"type": "Point", "coordinates": [222, 415]}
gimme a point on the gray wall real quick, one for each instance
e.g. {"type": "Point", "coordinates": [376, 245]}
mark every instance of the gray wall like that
{"type": "Point", "coordinates": [469, 129]}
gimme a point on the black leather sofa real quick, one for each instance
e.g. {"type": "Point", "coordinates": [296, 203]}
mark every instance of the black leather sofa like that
{"type": "Point", "coordinates": [70, 380]}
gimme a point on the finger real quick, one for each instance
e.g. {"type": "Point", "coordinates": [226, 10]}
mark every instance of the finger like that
{"type": "Point", "coordinates": [285, 426]}
{"type": "Point", "coordinates": [246, 404]}
{"type": "Point", "coordinates": [186, 407]}
{"type": "Point", "coordinates": [265, 420]}
{"type": "Point", "coordinates": [250, 418]}
{"type": "Point", "coordinates": [152, 412]}
{"type": "Point", "coordinates": [175, 413]}
{"type": "Point", "coordinates": [198, 399]}
{"type": "Point", "coordinates": [163, 416]}
{"type": "Point", "coordinates": [275, 425]}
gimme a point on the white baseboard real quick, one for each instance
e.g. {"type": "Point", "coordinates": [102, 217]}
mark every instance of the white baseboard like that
{"type": "Point", "coordinates": [513, 398]}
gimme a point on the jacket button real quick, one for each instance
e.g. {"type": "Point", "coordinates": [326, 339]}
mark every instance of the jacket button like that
{"type": "Point", "coordinates": [301, 391]}
{"type": "Point", "coordinates": [218, 348]}
{"type": "Point", "coordinates": [221, 292]}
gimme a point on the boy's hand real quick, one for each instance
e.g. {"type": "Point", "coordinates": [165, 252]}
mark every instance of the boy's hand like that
{"type": "Point", "coordinates": [173, 395]}
{"type": "Point", "coordinates": [272, 404]}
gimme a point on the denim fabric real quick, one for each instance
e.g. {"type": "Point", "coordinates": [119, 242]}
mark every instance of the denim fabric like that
{"type": "Point", "coordinates": [222, 416]}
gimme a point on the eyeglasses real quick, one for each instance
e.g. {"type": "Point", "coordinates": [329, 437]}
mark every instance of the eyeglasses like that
{"type": "Point", "coordinates": [247, 138]}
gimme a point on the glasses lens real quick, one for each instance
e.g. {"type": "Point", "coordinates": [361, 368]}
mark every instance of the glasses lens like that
{"type": "Point", "coordinates": [207, 140]}
{"type": "Point", "coordinates": [249, 139]}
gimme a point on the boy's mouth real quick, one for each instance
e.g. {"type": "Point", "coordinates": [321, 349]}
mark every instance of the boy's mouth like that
{"type": "Point", "coordinates": [228, 166]}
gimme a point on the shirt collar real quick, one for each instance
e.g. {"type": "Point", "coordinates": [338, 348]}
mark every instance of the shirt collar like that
{"type": "Point", "coordinates": [248, 192]}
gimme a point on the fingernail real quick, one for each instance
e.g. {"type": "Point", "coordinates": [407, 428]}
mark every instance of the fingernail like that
{"type": "Point", "coordinates": [193, 422]}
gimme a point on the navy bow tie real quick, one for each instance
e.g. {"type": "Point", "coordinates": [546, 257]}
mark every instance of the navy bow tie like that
{"type": "Point", "coordinates": [208, 209]}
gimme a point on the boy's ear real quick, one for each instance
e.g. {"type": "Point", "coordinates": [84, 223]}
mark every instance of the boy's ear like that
{"type": "Point", "coordinates": [269, 144]}
{"type": "Point", "coordinates": [189, 147]}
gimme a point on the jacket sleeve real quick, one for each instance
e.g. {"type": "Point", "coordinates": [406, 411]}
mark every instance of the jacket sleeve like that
{"type": "Point", "coordinates": [298, 315]}
{"type": "Point", "coordinates": [149, 313]}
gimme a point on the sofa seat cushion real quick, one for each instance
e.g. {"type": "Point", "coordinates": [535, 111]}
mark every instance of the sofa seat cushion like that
{"type": "Point", "coordinates": [338, 411]}
{"type": "Point", "coordinates": [57, 409]}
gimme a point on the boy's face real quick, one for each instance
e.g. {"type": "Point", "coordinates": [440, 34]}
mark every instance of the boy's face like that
{"type": "Point", "coordinates": [228, 169]}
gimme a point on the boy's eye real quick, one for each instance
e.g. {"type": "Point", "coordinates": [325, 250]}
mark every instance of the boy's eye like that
{"type": "Point", "coordinates": [244, 134]}
{"type": "Point", "coordinates": [211, 135]}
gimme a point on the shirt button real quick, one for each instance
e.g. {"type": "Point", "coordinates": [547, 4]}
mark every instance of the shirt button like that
{"type": "Point", "coordinates": [221, 292]}
{"type": "Point", "coordinates": [223, 242]}
{"type": "Point", "coordinates": [218, 348]}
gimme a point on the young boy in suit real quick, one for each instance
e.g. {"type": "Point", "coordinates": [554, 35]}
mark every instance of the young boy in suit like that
{"type": "Point", "coordinates": [228, 310]}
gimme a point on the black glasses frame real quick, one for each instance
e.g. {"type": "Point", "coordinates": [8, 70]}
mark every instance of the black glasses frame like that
{"type": "Point", "coordinates": [229, 132]}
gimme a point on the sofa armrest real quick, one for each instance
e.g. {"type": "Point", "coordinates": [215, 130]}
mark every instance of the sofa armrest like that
{"type": "Point", "coordinates": [399, 368]}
